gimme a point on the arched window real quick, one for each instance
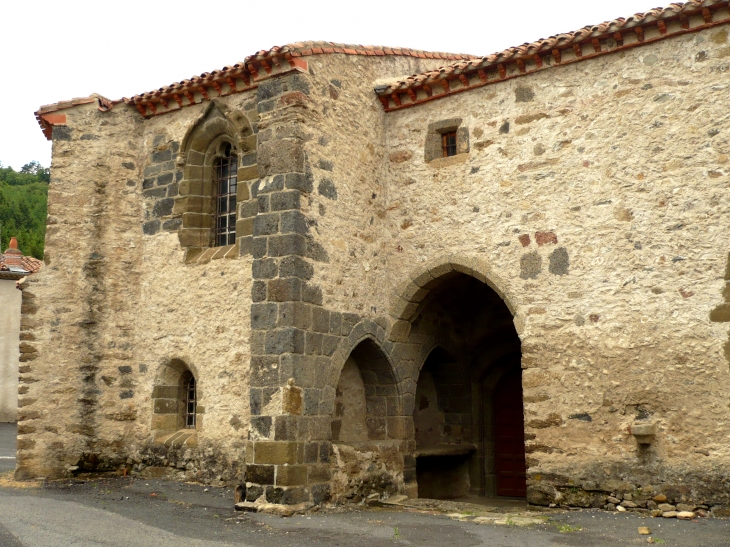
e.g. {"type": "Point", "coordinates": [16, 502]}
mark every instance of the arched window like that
{"type": "Point", "coordinates": [226, 178]}
{"type": "Point", "coordinates": [190, 400]}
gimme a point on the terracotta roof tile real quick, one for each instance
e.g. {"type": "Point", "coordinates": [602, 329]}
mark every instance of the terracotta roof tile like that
{"type": "Point", "coordinates": [252, 69]}
{"type": "Point", "coordinates": [604, 38]}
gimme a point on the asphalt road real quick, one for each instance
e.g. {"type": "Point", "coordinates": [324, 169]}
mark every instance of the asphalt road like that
{"type": "Point", "coordinates": [126, 512]}
{"type": "Point", "coordinates": [135, 513]}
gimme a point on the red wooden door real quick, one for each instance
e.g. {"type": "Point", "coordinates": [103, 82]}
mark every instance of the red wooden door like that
{"type": "Point", "coordinates": [509, 436]}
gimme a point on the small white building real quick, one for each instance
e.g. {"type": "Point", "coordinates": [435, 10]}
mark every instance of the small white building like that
{"type": "Point", "coordinates": [14, 267]}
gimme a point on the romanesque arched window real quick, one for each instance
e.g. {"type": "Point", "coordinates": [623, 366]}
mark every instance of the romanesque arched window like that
{"type": "Point", "coordinates": [226, 181]}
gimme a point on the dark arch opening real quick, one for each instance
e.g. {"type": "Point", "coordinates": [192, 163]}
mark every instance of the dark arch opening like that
{"type": "Point", "coordinates": [468, 413]}
{"type": "Point", "coordinates": [366, 395]}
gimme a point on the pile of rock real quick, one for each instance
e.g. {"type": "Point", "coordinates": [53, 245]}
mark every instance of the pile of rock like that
{"type": "Point", "coordinates": [657, 505]}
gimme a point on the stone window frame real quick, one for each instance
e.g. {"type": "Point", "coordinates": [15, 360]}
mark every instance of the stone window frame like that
{"type": "Point", "coordinates": [195, 203]}
{"type": "Point", "coordinates": [434, 145]}
{"type": "Point", "coordinates": [169, 406]}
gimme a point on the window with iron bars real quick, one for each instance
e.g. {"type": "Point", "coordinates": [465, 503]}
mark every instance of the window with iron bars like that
{"type": "Point", "coordinates": [226, 172]}
{"type": "Point", "coordinates": [190, 402]}
{"type": "Point", "coordinates": [448, 143]}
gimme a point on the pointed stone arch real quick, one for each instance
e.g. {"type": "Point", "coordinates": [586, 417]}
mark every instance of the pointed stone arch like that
{"type": "Point", "coordinates": [217, 127]}
{"type": "Point", "coordinates": [367, 349]}
{"type": "Point", "coordinates": [410, 296]}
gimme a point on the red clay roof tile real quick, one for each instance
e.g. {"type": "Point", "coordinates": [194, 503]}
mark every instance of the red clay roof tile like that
{"type": "Point", "coordinates": [553, 46]}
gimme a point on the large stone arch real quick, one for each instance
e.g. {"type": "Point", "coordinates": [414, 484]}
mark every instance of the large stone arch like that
{"type": "Point", "coordinates": [410, 296]}
{"type": "Point", "coordinates": [453, 396]}
{"type": "Point", "coordinates": [195, 203]}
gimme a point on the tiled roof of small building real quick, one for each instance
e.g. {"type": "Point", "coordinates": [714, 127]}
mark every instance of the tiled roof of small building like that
{"type": "Point", "coordinates": [14, 261]}
{"type": "Point", "coordinates": [558, 50]}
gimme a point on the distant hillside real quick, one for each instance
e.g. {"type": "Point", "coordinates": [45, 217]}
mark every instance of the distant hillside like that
{"type": "Point", "coordinates": [23, 198]}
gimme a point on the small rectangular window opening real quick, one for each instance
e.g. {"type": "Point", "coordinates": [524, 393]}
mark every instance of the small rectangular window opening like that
{"type": "Point", "coordinates": [448, 143]}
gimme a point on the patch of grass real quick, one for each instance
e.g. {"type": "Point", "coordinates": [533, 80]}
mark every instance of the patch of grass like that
{"type": "Point", "coordinates": [565, 528]}
{"type": "Point", "coordinates": [396, 533]}
{"type": "Point", "coordinates": [658, 541]}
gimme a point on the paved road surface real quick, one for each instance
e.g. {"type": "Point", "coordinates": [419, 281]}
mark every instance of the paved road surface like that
{"type": "Point", "coordinates": [136, 513]}
{"type": "Point", "coordinates": [125, 512]}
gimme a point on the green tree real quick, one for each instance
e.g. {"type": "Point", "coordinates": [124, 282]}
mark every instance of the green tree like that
{"type": "Point", "coordinates": [23, 200]}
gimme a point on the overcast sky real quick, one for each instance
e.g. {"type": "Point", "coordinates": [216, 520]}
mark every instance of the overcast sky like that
{"type": "Point", "coordinates": [56, 50]}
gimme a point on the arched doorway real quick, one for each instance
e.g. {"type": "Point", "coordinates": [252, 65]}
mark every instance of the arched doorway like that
{"type": "Point", "coordinates": [468, 414]}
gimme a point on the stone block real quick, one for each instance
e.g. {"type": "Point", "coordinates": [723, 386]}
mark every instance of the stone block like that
{"type": "Point", "coordinates": [276, 452]}
{"type": "Point", "coordinates": [721, 314]}
{"type": "Point", "coordinates": [399, 331]}
{"type": "Point", "coordinates": [264, 316]}
{"type": "Point", "coordinates": [260, 474]}
{"type": "Point", "coordinates": [258, 291]}
{"type": "Point", "coordinates": [281, 156]}
{"type": "Point", "coordinates": [266, 224]}
{"type": "Point", "coordinates": [295, 314]}
{"type": "Point", "coordinates": [329, 345]}
{"type": "Point", "coordinates": [293, 222]}
{"type": "Point", "coordinates": [164, 422]}
{"type": "Point", "coordinates": [197, 220]}
{"type": "Point", "coordinates": [289, 244]}
{"type": "Point", "coordinates": [151, 227]}
{"type": "Point", "coordinates": [285, 290]}
{"type": "Point", "coordinates": [242, 192]}
{"type": "Point", "coordinates": [245, 175]}
{"type": "Point", "coordinates": [313, 343]}
{"type": "Point", "coordinates": [287, 340]}
{"type": "Point", "coordinates": [296, 495]}
{"type": "Point", "coordinates": [295, 266]}
{"type": "Point", "coordinates": [285, 201]}
{"type": "Point", "coordinates": [320, 320]}
{"type": "Point", "coordinates": [259, 247]}
{"type": "Point", "coordinates": [312, 294]}
{"type": "Point", "coordinates": [286, 428]}
{"type": "Point", "coordinates": [320, 493]}
{"type": "Point", "coordinates": [265, 268]}
{"type": "Point", "coordinates": [248, 208]}
{"type": "Point", "coordinates": [298, 181]}
{"type": "Point", "coordinates": [291, 475]}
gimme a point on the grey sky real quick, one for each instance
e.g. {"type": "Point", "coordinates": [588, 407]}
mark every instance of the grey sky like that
{"type": "Point", "coordinates": [56, 50]}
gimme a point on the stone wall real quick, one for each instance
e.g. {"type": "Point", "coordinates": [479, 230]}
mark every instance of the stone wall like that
{"type": "Point", "coordinates": [597, 192]}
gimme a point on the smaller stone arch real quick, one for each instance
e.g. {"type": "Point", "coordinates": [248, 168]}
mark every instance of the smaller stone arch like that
{"type": "Point", "coordinates": [365, 394]}
{"type": "Point", "coordinates": [170, 408]}
{"type": "Point", "coordinates": [204, 142]}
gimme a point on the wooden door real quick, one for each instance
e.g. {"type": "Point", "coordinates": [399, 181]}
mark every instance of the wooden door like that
{"type": "Point", "coordinates": [509, 436]}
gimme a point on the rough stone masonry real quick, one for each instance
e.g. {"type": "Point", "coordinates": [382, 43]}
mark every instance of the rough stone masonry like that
{"type": "Point", "coordinates": [506, 276]}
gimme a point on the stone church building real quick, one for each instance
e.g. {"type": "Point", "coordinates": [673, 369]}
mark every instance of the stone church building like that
{"type": "Point", "coordinates": [317, 277]}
